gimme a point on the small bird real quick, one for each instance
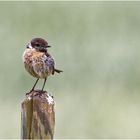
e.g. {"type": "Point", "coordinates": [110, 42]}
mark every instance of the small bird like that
{"type": "Point", "coordinates": [37, 61]}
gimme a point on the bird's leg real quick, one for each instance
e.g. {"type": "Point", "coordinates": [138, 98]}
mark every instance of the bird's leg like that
{"type": "Point", "coordinates": [34, 85]}
{"type": "Point", "coordinates": [44, 84]}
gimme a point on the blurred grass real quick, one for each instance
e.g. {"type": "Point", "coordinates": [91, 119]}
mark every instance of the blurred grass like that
{"type": "Point", "coordinates": [97, 46]}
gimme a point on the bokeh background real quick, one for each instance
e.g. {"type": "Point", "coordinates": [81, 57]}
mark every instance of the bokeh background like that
{"type": "Point", "coordinates": [96, 44]}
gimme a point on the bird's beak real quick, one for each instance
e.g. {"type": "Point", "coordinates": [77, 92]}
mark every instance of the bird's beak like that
{"type": "Point", "coordinates": [48, 46]}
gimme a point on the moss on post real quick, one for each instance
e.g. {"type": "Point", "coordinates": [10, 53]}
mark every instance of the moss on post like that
{"type": "Point", "coordinates": [38, 116]}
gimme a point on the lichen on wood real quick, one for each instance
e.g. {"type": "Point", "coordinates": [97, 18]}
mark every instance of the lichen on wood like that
{"type": "Point", "coordinates": [38, 116]}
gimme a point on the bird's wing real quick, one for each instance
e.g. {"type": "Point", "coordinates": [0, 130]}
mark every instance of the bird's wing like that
{"type": "Point", "coordinates": [50, 63]}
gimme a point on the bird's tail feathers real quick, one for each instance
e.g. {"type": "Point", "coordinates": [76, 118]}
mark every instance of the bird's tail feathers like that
{"type": "Point", "coordinates": [58, 71]}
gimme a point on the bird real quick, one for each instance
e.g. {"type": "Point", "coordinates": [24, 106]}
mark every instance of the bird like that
{"type": "Point", "coordinates": [38, 62]}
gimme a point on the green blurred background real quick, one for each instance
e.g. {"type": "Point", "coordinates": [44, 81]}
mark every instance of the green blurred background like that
{"type": "Point", "coordinates": [97, 44]}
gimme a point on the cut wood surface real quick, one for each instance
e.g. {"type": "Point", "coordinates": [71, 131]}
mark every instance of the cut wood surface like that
{"type": "Point", "coordinates": [37, 116]}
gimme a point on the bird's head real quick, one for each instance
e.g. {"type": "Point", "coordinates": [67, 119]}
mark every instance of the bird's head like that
{"type": "Point", "coordinates": [39, 44]}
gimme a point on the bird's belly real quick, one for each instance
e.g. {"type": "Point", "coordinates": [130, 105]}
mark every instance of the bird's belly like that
{"type": "Point", "coordinates": [40, 69]}
{"type": "Point", "coordinates": [36, 66]}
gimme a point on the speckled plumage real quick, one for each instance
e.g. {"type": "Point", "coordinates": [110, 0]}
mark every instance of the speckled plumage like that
{"type": "Point", "coordinates": [38, 64]}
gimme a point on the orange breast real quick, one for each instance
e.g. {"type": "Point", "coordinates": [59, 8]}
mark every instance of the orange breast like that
{"type": "Point", "coordinates": [35, 64]}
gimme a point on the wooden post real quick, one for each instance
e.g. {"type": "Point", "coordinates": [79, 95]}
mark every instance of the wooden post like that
{"type": "Point", "coordinates": [38, 116]}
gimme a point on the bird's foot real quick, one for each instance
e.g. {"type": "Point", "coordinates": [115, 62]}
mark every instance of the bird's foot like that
{"type": "Point", "coordinates": [36, 92]}
{"type": "Point", "coordinates": [30, 92]}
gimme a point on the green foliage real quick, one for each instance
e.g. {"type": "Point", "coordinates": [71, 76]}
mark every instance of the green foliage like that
{"type": "Point", "coordinates": [97, 46]}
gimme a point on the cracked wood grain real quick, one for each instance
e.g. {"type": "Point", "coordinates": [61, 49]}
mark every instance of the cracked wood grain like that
{"type": "Point", "coordinates": [37, 116]}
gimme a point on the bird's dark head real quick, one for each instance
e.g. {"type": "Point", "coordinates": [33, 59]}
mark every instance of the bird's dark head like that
{"type": "Point", "coordinates": [39, 44]}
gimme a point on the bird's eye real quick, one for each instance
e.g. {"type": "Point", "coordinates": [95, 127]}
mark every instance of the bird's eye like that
{"type": "Point", "coordinates": [37, 45]}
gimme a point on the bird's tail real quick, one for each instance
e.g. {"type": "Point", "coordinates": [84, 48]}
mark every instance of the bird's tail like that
{"type": "Point", "coordinates": [58, 71]}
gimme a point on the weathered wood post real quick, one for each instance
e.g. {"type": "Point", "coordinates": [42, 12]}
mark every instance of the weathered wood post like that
{"type": "Point", "coordinates": [37, 116]}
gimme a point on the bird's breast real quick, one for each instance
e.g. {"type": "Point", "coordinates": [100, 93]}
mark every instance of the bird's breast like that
{"type": "Point", "coordinates": [35, 63]}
